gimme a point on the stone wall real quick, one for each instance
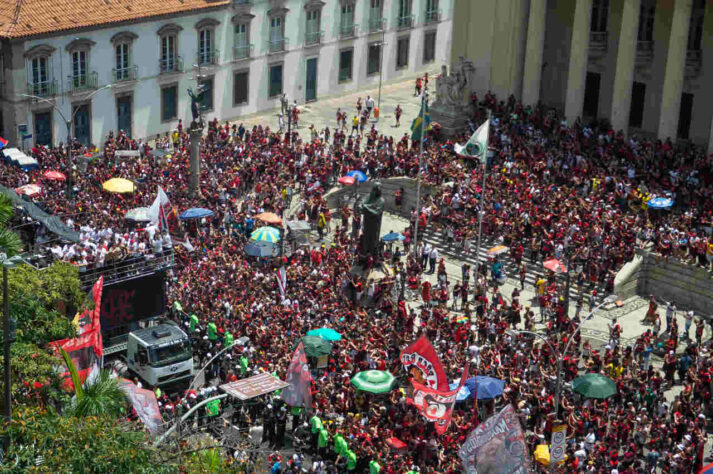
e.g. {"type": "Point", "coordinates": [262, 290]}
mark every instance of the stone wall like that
{"type": "Point", "coordinates": [687, 286]}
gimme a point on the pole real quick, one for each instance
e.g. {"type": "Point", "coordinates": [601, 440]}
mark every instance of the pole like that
{"type": "Point", "coordinates": [381, 67]}
{"type": "Point", "coordinates": [205, 366]}
{"type": "Point", "coordinates": [6, 351]}
{"type": "Point", "coordinates": [418, 173]}
{"type": "Point", "coordinates": [568, 251]}
{"type": "Point", "coordinates": [69, 159]}
{"type": "Point", "coordinates": [482, 209]}
{"type": "Point", "coordinates": [185, 417]}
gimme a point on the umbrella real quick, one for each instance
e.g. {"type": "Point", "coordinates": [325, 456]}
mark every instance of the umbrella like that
{"type": "Point", "coordinates": [542, 455]}
{"type": "Point", "coordinates": [463, 394]}
{"type": "Point", "coordinates": [266, 234]}
{"type": "Point", "coordinates": [328, 334]}
{"type": "Point", "coordinates": [54, 176]}
{"type": "Point", "coordinates": [660, 203]}
{"type": "Point", "coordinates": [555, 265]}
{"type": "Point", "coordinates": [358, 175]}
{"type": "Point", "coordinates": [462, 319]}
{"type": "Point", "coordinates": [594, 386]}
{"type": "Point", "coordinates": [487, 387]}
{"type": "Point", "coordinates": [138, 214]}
{"type": "Point", "coordinates": [269, 218]}
{"type": "Point", "coordinates": [392, 236]}
{"type": "Point", "coordinates": [261, 249]}
{"type": "Point", "coordinates": [30, 190]}
{"type": "Point", "coordinates": [316, 346]}
{"type": "Point", "coordinates": [346, 180]}
{"type": "Point", "coordinates": [708, 469]}
{"type": "Point", "coordinates": [195, 213]}
{"type": "Point", "coordinates": [497, 250]}
{"type": "Point", "coordinates": [118, 186]}
{"type": "Point", "coordinates": [374, 381]}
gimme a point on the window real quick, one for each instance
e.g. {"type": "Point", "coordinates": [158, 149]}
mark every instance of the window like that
{"type": "Point", "coordinates": [646, 21]}
{"type": "Point", "coordinates": [122, 62]}
{"type": "Point", "coordinates": [39, 73]}
{"type": "Point", "coordinates": [373, 62]}
{"type": "Point", "coordinates": [402, 52]}
{"type": "Point", "coordinates": [168, 53]}
{"type": "Point", "coordinates": [429, 47]}
{"type": "Point", "coordinates": [79, 67]}
{"type": "Point", "coordinates": [207, 85]}
{"type": "Point", "coordinates": [240, 87]}
{"type": "Point", "coordinates": [347, 19]}
{"type": "Point", "coordinates": [40, 77]}
{"type": "Point", "coordinates": [275, 86]}
{"type": "Point", "coordinates": [695, 29]}
{"type": "Point", "coordinates": [205, 46]}
{"type": "Point", "coordinates": [277, 40]}
{"type": "Point", "coordinates": [432, 13]}
{"type": "Point", "coordinates": [313, 34]}
{"type": "Point", "coordinates": [375, 16]}
{"type": "Point", "coordinates": [600, 16]}
{"type": "Point", "coordinates": [169, 103]}
{"type": "Point", "coordinates": [345, 65]}
{"type": "Point", "coordinates": [405, 19]}
{"type": "Point", "coordinates": [242, 47]}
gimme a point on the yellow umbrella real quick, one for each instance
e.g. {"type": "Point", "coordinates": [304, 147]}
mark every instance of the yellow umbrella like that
{"type": "Point", "coordinates": [542, 455]}
{"type": "Point", "coordinates": [497, 250]}
{"type": "Point", "coordinates": [118, 186]}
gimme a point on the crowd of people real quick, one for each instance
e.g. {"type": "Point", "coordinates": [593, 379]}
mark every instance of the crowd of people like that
{"type": "Point", "coordinates": [553, 189]}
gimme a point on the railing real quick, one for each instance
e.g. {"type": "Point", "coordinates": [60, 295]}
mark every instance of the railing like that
{"type": "Point", "coordinates": [242, 52]}
{"type": "Point", "coordinates": [433, 16]}
{"type": "Point", "coordinates": [208, 57]}
{"type": "Point", "coordinates": [125, 74]}
{"type": "Point", "coordinates": [597, 40]}
{"type": "Point", "coordinates": [82, 82]}
{"type": "Point", "coordinates": [376, 24]}
{"type": "Point", "coordinates": [277, 44]}
{"type": "Point", "coordinates": [170, 64]}
{"type": "Point", "coordinates": [132, 266]}
{"type": "Point", "coordinates": [42, 89]}
{"type": "Point", "coordinates": [694, 61]}
{"type": "Point", "coordinates": [347, 31]}
{"type": "Point", "coordinates": [405, 21]}
{"type": "Point", "coordinates": [313, 38]}
{"type": "Point", "coordinates": [644, 51]}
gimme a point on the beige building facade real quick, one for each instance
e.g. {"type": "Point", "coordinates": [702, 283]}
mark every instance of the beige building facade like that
{"type": "Point", "coordinates": [645, 65]}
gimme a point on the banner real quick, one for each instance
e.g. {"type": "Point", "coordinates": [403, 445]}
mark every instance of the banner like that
{"type": "Point", "coordinates": [281, 277]}
{"type": "Point", "coordinates": [497, 446]}
{"type": "Point", "coordinates": [144, 404]}
{"type": "Point", "coordinates": [298, 376]}
{"type": "Point", "coordinates": [559, 436]}
{"type": "Point", "coordinates": [421, 360]}
{"type": "Point", "coordinates": [163, 214]}
{"type": "Point", "coordinates": [436, 405]}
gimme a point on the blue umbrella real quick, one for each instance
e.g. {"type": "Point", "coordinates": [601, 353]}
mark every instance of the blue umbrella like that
{"type": "Point", "coordinates": [261, 249]}
{"type": "Point", "coordinates": [358, 175]}
{"type": "Point", "coordinates": [463, 394]}
{"type": "Point", "coordinates": [196, 213]}
{"type": "Point", "coordinates": [488, 387]}
{"type": "Point", "coordinates": [660, 203]}
{"type": "Point", "coordinates": [392, 236]}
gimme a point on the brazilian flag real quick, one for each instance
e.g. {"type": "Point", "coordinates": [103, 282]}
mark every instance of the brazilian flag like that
{"type": "Point", "coordinates": [418, 123]}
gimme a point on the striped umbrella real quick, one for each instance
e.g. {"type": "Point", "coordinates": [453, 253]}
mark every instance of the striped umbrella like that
{"type": "Point", "coordinates": [266, 234]}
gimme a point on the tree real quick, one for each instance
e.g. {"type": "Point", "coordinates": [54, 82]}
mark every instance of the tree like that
{"type": "Point", "coordinates": [56, 287]}
{"type": "Point", "coordinates": [38, 325]}
{"type": "Point", "coordinates": [101, 396]}
{"type": "Point", "coordinates": [10, 243]}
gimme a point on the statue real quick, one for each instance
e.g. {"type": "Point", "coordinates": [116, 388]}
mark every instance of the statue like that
{"type": "Point", "coordinates": [372, 209]}
{"type": "Point", "coordinates": [196, 104]}
{"type": "Point", "coordinates": [450, 88]}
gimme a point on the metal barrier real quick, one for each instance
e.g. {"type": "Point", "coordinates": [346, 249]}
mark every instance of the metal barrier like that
{"type": "Point", "coordinates": [127, 268]}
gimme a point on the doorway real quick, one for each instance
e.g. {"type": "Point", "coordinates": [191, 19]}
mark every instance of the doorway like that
{"type": "Point", "coordinates": [43, 128]}
{"type": "Point", "coordinates": [81, 124]}
{"type": "Point", "coordinates": [311, 83]}
{"type": "Point", "coordinates": [591, 95]}
{"type": "Point", "coordinates": [636, 113]}
{"type": "Point", "coordinates": [684, 116]}
{"type": "Point", "coordinates": [123, 112]}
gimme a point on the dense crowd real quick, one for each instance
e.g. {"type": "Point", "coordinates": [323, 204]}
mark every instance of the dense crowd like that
{"type": "Point", "coordinates": [553, 190]}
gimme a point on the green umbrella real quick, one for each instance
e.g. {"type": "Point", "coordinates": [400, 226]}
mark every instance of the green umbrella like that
{"type": "Point", "coordinates": [266, 234]}
{"type": "Point", "coordinates": [316, 346]}
{"type": "Point", "coordinates": [328, 334]}
{"type": "Point", "coordinates": [374, 381]}
{"type": "Point", "coordinates": [594, 386]}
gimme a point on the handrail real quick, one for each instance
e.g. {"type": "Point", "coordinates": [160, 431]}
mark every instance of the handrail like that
{"type": "Point", "coordinates": [128, 268]}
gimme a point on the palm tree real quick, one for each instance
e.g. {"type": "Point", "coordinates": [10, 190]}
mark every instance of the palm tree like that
{"type": "Point", "coordinates": [102, 396]}
{"type": "Point", "coordinates": [10, 243]}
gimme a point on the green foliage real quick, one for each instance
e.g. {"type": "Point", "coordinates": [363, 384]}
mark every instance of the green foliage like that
{"type": "Point", "coordinates": [35, 381]}
{"type": "Point", "coordinates": [78, 390]}
{"type": "Point", "coordinates": [100, 397]}
{"type": "Point", "coordinates": [58, 285]}
{"type": "Point", "coordinates": [10, 243]}
{"type": "Point", "coordinates": [36, 324]}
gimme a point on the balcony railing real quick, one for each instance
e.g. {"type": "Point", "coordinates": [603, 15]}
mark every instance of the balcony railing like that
{"type": "Point", "coordinates": [313, 38]}
{"type": "Point", "coordinates": [242, 51]}
{"type": "Point", "coordinates": [433, 16]}
{"type": "Point", "coordinates": [597, 41]}
{"type": "Point", "coordinates": [644, 51]}
{"type": "Point", "coordinates": [42, 89]}
{"type": "Point", "coordinates": [404, 21]}
{"type": "Point", "coordinates": [277, 44]}
{"type": "Point", "coordinates": [694, 62]}
{"type": "Point", "coordinates": [82, 82]}
{"type": "Point", "coordinates": [347, 31]}
{"type": "Point", "coordinates": [208, 57]}
{"type": "Point", "coordinates": [376, 24]}
{"type": "Point", "coordinates": [125, 74]}
{"type": "Point", "coordinates": [170, 65]}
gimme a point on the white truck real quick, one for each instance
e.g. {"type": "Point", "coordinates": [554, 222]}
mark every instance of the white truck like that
{"type": "Point", "coordinates": [161, 355]}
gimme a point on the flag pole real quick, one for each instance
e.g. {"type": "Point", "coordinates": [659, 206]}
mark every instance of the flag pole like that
{"type": "Point", "coordinates": [482, 205]}
{"type": "Point", "coordinates": [418, 173]}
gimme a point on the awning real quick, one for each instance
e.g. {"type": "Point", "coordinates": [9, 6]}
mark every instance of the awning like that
{"type": "Point", "coordinates": [53, 223]}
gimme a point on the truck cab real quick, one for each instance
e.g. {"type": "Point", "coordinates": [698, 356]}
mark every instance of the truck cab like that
{"type": "Point", "coordinates": [160, 355]}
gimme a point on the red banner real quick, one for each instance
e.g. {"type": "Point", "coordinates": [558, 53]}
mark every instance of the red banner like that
{"type": "Point", "coordinates": [421, 360]}
{"type": "Point", "coordinates": [298, 394]}
{"type": "Point", "coordinates": [436, 405]}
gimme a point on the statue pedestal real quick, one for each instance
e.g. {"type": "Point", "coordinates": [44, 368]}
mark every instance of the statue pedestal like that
{"type": "Point", "coordinates": [453, 119]}
{"type": "Point", "coordinates": [194, 177]}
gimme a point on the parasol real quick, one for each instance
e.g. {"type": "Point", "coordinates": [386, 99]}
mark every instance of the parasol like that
{"type": "Point", "coordinates": [374, 381]}
{"type": "Point", "coordinates": [555, 265]}
{"type": "Point", "coordinates": [138, 214]}
{"type": "Point", "coordinates": [358, 175]}
{"type": "Point", "coordinates": [316, 346]}
{"type": "Point", "coordinates": [118, 186]}
{"type": "Point", "coordinates": [392, 236]}
{"type": "Point", "coordinates": [195, 213]}
{"type": "Point", "coordinates": [487, 387]}
{"type": "Point", "coordinates": [594, 386]}
{"type": "Point", "coordinates": [54, 176]}
{"type": "Point", "coordinates": [269, 218]}
{"type": "Point", "coordinates": [346, 180]}
{"type": "Point", "coordinates": [660, 203]}
{"type": "Point", "coordinates": [261, 249]}
{"type": "Point", "coordinates": [328, 334]}
{"type": "Point", "coordinates": [266, 234]}
{"type": "Point", "coordinates": [30, 190]}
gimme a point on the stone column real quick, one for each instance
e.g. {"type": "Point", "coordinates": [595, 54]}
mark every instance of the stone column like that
{"type": "Point", "coordinates": [195, 171]}
{"type": "Point", "coordinates": [533, 53]}
{"type": "Point", "coordinates": [578, 57]}
{"type": "Point", "coordinates": [675, 70]}
{"type": "Point", "coordinates": [625, 62]}
{"type": "Point", "coordinates": [710, 138]}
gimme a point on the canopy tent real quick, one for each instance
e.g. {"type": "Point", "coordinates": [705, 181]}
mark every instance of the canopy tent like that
{"type": "Point", "coordinates": [53, 223]}
{"type": "Point", "coordinates": [18, 158]}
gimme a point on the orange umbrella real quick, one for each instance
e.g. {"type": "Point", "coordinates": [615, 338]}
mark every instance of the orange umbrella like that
{"type": "Point", "coordinates": [269, 218]}
{"type": "Point", "coordinates": [54, 176]}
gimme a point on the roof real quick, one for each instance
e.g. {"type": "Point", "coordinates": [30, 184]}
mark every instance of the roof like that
{"type": "Point", "coordinates": [22, 18]}
{"type": "Point", "coordinates": [166, 333]}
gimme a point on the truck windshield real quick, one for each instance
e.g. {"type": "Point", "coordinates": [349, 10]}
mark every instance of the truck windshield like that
{"type": "Point", "coordinates": [178, 351]}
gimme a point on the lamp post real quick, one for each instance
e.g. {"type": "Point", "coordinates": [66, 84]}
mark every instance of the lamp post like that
{"type": "Point", "coordinates": [418, 173]}
{"type": "Point", "coordinates": [381, 67]}
{"type": "Point", "coordinates": [560, 357]}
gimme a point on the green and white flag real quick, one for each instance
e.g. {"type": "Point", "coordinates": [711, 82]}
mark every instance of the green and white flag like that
{"type": "Point", "coordinates": [477, 146]}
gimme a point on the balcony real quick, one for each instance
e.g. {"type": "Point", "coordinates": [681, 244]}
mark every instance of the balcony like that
{"type": "Point", "coordinates": [694, 62]}
{"type": "Point", "coordinates": [208, 57]}
{"type": "Point", "coordinates": [313, 38]}
{"type": "Point", "coordinates": [170, 65]}
{"type": "Point", "coordinates": [347, 31]}
{"type": "Point", "coordinates": [125, 74]}
{"type": "Point", "coordinates": [597, 42]}
{"type": "Point", "coordinates": [82, 82]}
{"type": "Point", "coordinates": [243, 51]}
{"type": "Point", "coordinates": [277, 45]}
{"type": "Point", "coordinates": [433, 16]}
{"type": "Point", "coordinates": [644, 52]}
{"type": "Point", "coordinates": [42, 89]}
{"type": "Point", "coordinates": [376, 24]}
{"type": "Point", "coordinates": [404, 22]}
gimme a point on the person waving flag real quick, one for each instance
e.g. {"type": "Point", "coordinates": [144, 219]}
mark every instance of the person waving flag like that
{"type": "Point", "coordinates": [477, 146]}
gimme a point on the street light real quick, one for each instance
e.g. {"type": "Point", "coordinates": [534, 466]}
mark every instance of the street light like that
{"type": "Point", "coordinates": [560, 357]}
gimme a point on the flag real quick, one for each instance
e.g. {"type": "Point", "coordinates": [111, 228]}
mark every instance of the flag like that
{"type": "Point", "coordinates": [3, 143]}
{"type": "Point", "coordinates": [163, 214]}
{"type": "Point", "coordinates": [298, 394]}
{"type": "Point", "coordinates": [497, 445]}
{"type": "Point", "coordinates": [281, 277]}
{"type": "Point", "coordinates": [477, 146]}
{"type": "Point", "coordinates": [144, 404]}
{"type": "Point", "coordinates": [416, 126]}
{"type": "Point", "coordinates": [436, 405]}
{"type": "Point", "coordinates": [421, 360]}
